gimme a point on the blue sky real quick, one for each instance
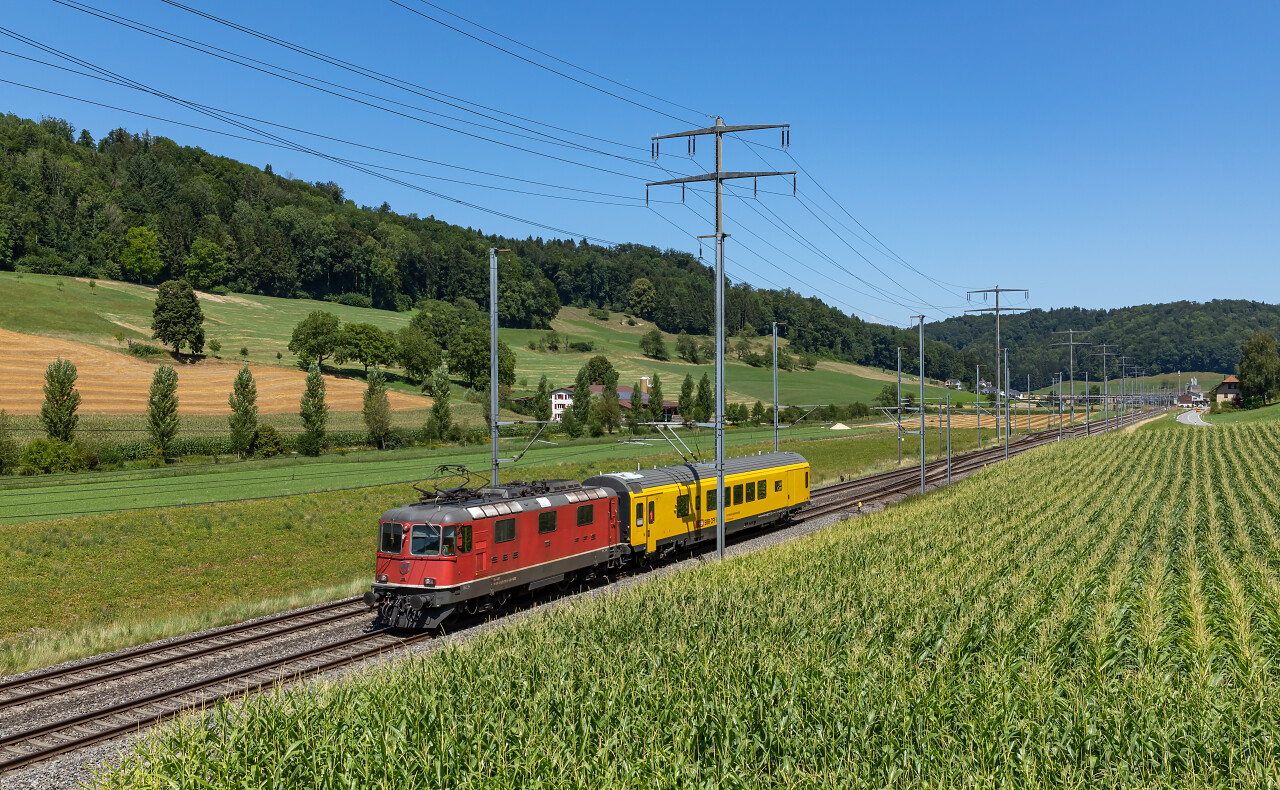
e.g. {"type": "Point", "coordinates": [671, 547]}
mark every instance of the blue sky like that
{"type": "Point", "coordinates": [1097, 154]}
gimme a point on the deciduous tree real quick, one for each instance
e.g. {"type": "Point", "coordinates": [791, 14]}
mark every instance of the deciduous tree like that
{"type": "Point", "coordinates": [366, 344]}
{"type": "Point", "coordinates": [243, 419]}
{"type": "Point", "coordinates": [419, 352]}
{"type": "Point", "coordinates": [316, 338]}
{"type": "Point", "coordinates": [643, 297]}
{"type": "Point", "coordinates": [206, 265]}
{"type": "Point", "coordinates": [1259, 368]}
{"type": "Point", "coordinates": [652, 345]}
{"type": "Point", "coordinates": [177, 319]}
{"type": "Point", "coordinates": [542, 400]}
{"type": "Point", "coordinates": [688, 403]}
{"type": "Point", "coordinates": [162, 409]}
{"type": "Point", "coordinates": [655, 399]}
{"type": "Point", "coordinates": [141, 254]}
{"type": "Point", "coordinates": [440, 421]}
{"type": "Point", "coordinates": [706, 405]}
{"type": "Point", "coordinates": [377, 409]}
{"type": "Point", "coordinates": [61, 400]}
{"type": "Point", "coordinates": [314, 412]}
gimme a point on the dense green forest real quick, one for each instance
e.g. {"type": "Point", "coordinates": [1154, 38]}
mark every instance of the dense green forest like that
{"type": "Point", "coordinates": [1163, 338]}
{"type": "Point", "coordinates": [142, 207]}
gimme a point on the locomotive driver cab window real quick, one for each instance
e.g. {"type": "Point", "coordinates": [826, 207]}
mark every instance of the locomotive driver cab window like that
{"type": "Point", "coordinates": [449, 542]}
{"type": "Point", "coordinates": [391, 538]}
{"type": "Point", "coordinates": [424, 540]}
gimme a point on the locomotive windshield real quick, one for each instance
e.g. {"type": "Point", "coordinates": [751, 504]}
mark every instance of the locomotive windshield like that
{"type": "Point", "coordinates": [424, 540]}
{"type": "Point", "coordinates": [390, 538]}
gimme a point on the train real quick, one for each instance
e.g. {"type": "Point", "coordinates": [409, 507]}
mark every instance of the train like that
{"type": "Point", "coordinates": [462, 550]}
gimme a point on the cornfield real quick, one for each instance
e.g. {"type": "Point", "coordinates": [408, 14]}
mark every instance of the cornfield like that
{"type": "Point", "coordinates": [1099, 613]}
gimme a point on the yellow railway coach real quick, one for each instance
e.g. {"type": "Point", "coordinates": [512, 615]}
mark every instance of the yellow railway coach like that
{"type": "Point", "coordinates": [661, 510]}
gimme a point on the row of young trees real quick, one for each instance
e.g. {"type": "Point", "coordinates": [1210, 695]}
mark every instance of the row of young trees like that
{"type": "Point", "coordinates": [58, 449]}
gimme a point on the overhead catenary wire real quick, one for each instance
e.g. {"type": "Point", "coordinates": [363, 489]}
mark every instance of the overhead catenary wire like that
{"type": "Point", "coordinates": [299, 147]}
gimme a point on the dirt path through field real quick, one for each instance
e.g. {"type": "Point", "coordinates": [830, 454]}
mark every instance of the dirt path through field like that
{"type": "Point", "coordinates": [111, 382]}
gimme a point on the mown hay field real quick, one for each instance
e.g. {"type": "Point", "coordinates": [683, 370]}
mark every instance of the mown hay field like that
{"type": "Point", "coordinates": [1096, 613]}
{"type": "Point", "coordinates": [114, 383]}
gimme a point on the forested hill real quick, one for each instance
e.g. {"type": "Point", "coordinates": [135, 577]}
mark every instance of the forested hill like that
{"type": "Point", "coordinates": [142, 207]}
{"type": "Point", "coordinates": [1163, 338]}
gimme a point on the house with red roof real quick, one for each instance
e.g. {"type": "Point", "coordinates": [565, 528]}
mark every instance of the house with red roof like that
{"type": "Point", "coordinates": [1227, 391]}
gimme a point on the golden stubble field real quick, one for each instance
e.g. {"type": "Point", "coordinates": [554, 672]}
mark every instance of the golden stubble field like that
{"type": "Point", "coordinates": [113, 383]}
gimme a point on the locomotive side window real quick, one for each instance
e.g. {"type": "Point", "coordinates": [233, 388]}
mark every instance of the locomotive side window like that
{"type": "Point", "coordinates": [424, 540]}
{"type": "Point", "coordinates": [650, 511]}
{"type": "Point", "coordinates": [392, 534]}
{"type": "Point", "coordinates": [751, 492]}
{"type": "Point", "coordinates": [777, 485]}
{"type": "Point", "coordinates": [762, 488]}
{"type": "Point", "coordinates": [464, 538]}
{"type": "Point", "coordinates": [711, 500]}
{"type": "Point", "coordinates": [504, 529]}
{"type": "Point", "coordinates": [737, 494]}
{"type": "Point", "coordinates": [546, 522]}
{"type": "Point", "coordinates": [586, 515]}
{"type": "Point", "coordinates": [449, 546]}
{"type": "Point", "coordinates": [682, 506]}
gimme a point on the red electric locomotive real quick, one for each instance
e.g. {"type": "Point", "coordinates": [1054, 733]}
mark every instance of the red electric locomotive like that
{"type": "Point", "coordinates": [466, 550]}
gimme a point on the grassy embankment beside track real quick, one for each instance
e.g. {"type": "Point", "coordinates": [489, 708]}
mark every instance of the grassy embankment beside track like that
{"type": "Point", "coordinates": [1091, 614]}
{"type": "Point", "coordinates": [79, 586]}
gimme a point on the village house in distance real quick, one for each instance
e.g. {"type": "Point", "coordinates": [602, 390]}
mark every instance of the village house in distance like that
{"type": "Point", "coordinates": [562, 399]}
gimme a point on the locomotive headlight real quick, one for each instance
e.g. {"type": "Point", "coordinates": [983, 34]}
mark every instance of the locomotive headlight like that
{"type": "Point", "coordinates": [382, 578]}
{"type": "Point", "coordinates": [428, 582]}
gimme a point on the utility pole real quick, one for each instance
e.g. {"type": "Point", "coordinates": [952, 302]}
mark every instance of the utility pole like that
{"type": "Point", "coordinates": [1086, 404]}
{"type": "Point", "coordinates": [719, 177]}
{"type": "Point", "coordinates": [775, 386]}
{"type": "Point", "coordinates": [1059, 406]}
{"type": "Point", "coordinates": [493, 363]}
{"type": "Point", "coordinates": [948, 438]}
{"type": "Point", "coordinates": [1071, 346]}
{"type": "Point", "coordinates": [1106, 382]}
{"type": "Point", "coordinates": [977, 400]}
{"type": "Point", "coordinates": [899, 405]}
{"type": "Point", "coordinates": [1007, 385]}
{"type": "Point", "coordinates": [998, 310]}
{"type": "Point", "coordinates": [921, 401]}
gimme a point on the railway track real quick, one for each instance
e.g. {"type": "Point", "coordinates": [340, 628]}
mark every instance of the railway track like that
{"type": "Point", "coordinates": [100, 723]}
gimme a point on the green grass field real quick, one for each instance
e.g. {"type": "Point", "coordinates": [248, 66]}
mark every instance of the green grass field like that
{"type": "Point", "coordinates": [1269, 413]}
{"type": "Point", "coordinates": [67, 308]}
{"type": "Point", "coordinates": [1092, 614]}
{"type": "Point", "coordinates": [130, 577]}
{"type": "Point", "coordinates": [92, 493]}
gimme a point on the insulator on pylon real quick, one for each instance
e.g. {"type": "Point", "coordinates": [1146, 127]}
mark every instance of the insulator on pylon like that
{"type": "Point", "coordinates": [682, 193]}
{"type": "Point", "coordinates": [793, 185]}
{"type": "Point", "coordinates": [755, 187]}
{"type": "Point", "coordinates": [646, 196]}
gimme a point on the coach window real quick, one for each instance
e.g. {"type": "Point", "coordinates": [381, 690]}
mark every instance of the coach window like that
{"type": "Point", "coordinates": [761, 489]}
{"type": "Point", "coordinates": [640, 515]}
{"type": "Point", "coordinates": [806, 479]}
{"type": "Point", "coordinates": [586, 515]}
{"type": "Point", "coordinates": [504, 529]}
{"type": "Point", "coordinates": [650, 511]}
{"type": "Point", "coordinates": [449, 545]}
{"type": "Point", "coordinates": [682, 506]}
{"type": "Point", "coordinates": [424, 540]}
{"type": "Point", "coordinates": [777, 485]}
{"type": "Point", "coordinates": [751, 492]}
{"type": "Point", "coordinates": [737, 494]}
{"type": "Point", "coordinates": [464, 538]}
{"type": "Point", "coordinates": [546, 522]}
{"type": "Point", "coordinates": [392, 536]}
{"type": "Point", "coordinates": [711, 500]}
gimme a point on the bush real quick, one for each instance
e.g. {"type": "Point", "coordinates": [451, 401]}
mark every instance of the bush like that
{"type": "Point", "coordinates": [267, 442]}
{"type": "Point", "coordinates": [599, 312]}
{"type": "Point", "coordinates": [46, 456]}
{"type": "Point", "coordinates": [145, 350]}
{"type": "Point", "coordinates": [585, 346]}
{"type": "Point", "coordinates": [351, 300]}
{"type": "Point", "coordinates": [215, 346]}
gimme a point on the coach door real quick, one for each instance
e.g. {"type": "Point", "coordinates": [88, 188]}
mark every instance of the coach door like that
{"type": "Point", "coordinates": [642, 521]}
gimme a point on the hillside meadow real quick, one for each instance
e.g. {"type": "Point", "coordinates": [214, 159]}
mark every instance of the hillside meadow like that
{"type": "Point", "coordinates": [1095, 613]}
{"type": "Point", "coordinates": [113, 312]}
